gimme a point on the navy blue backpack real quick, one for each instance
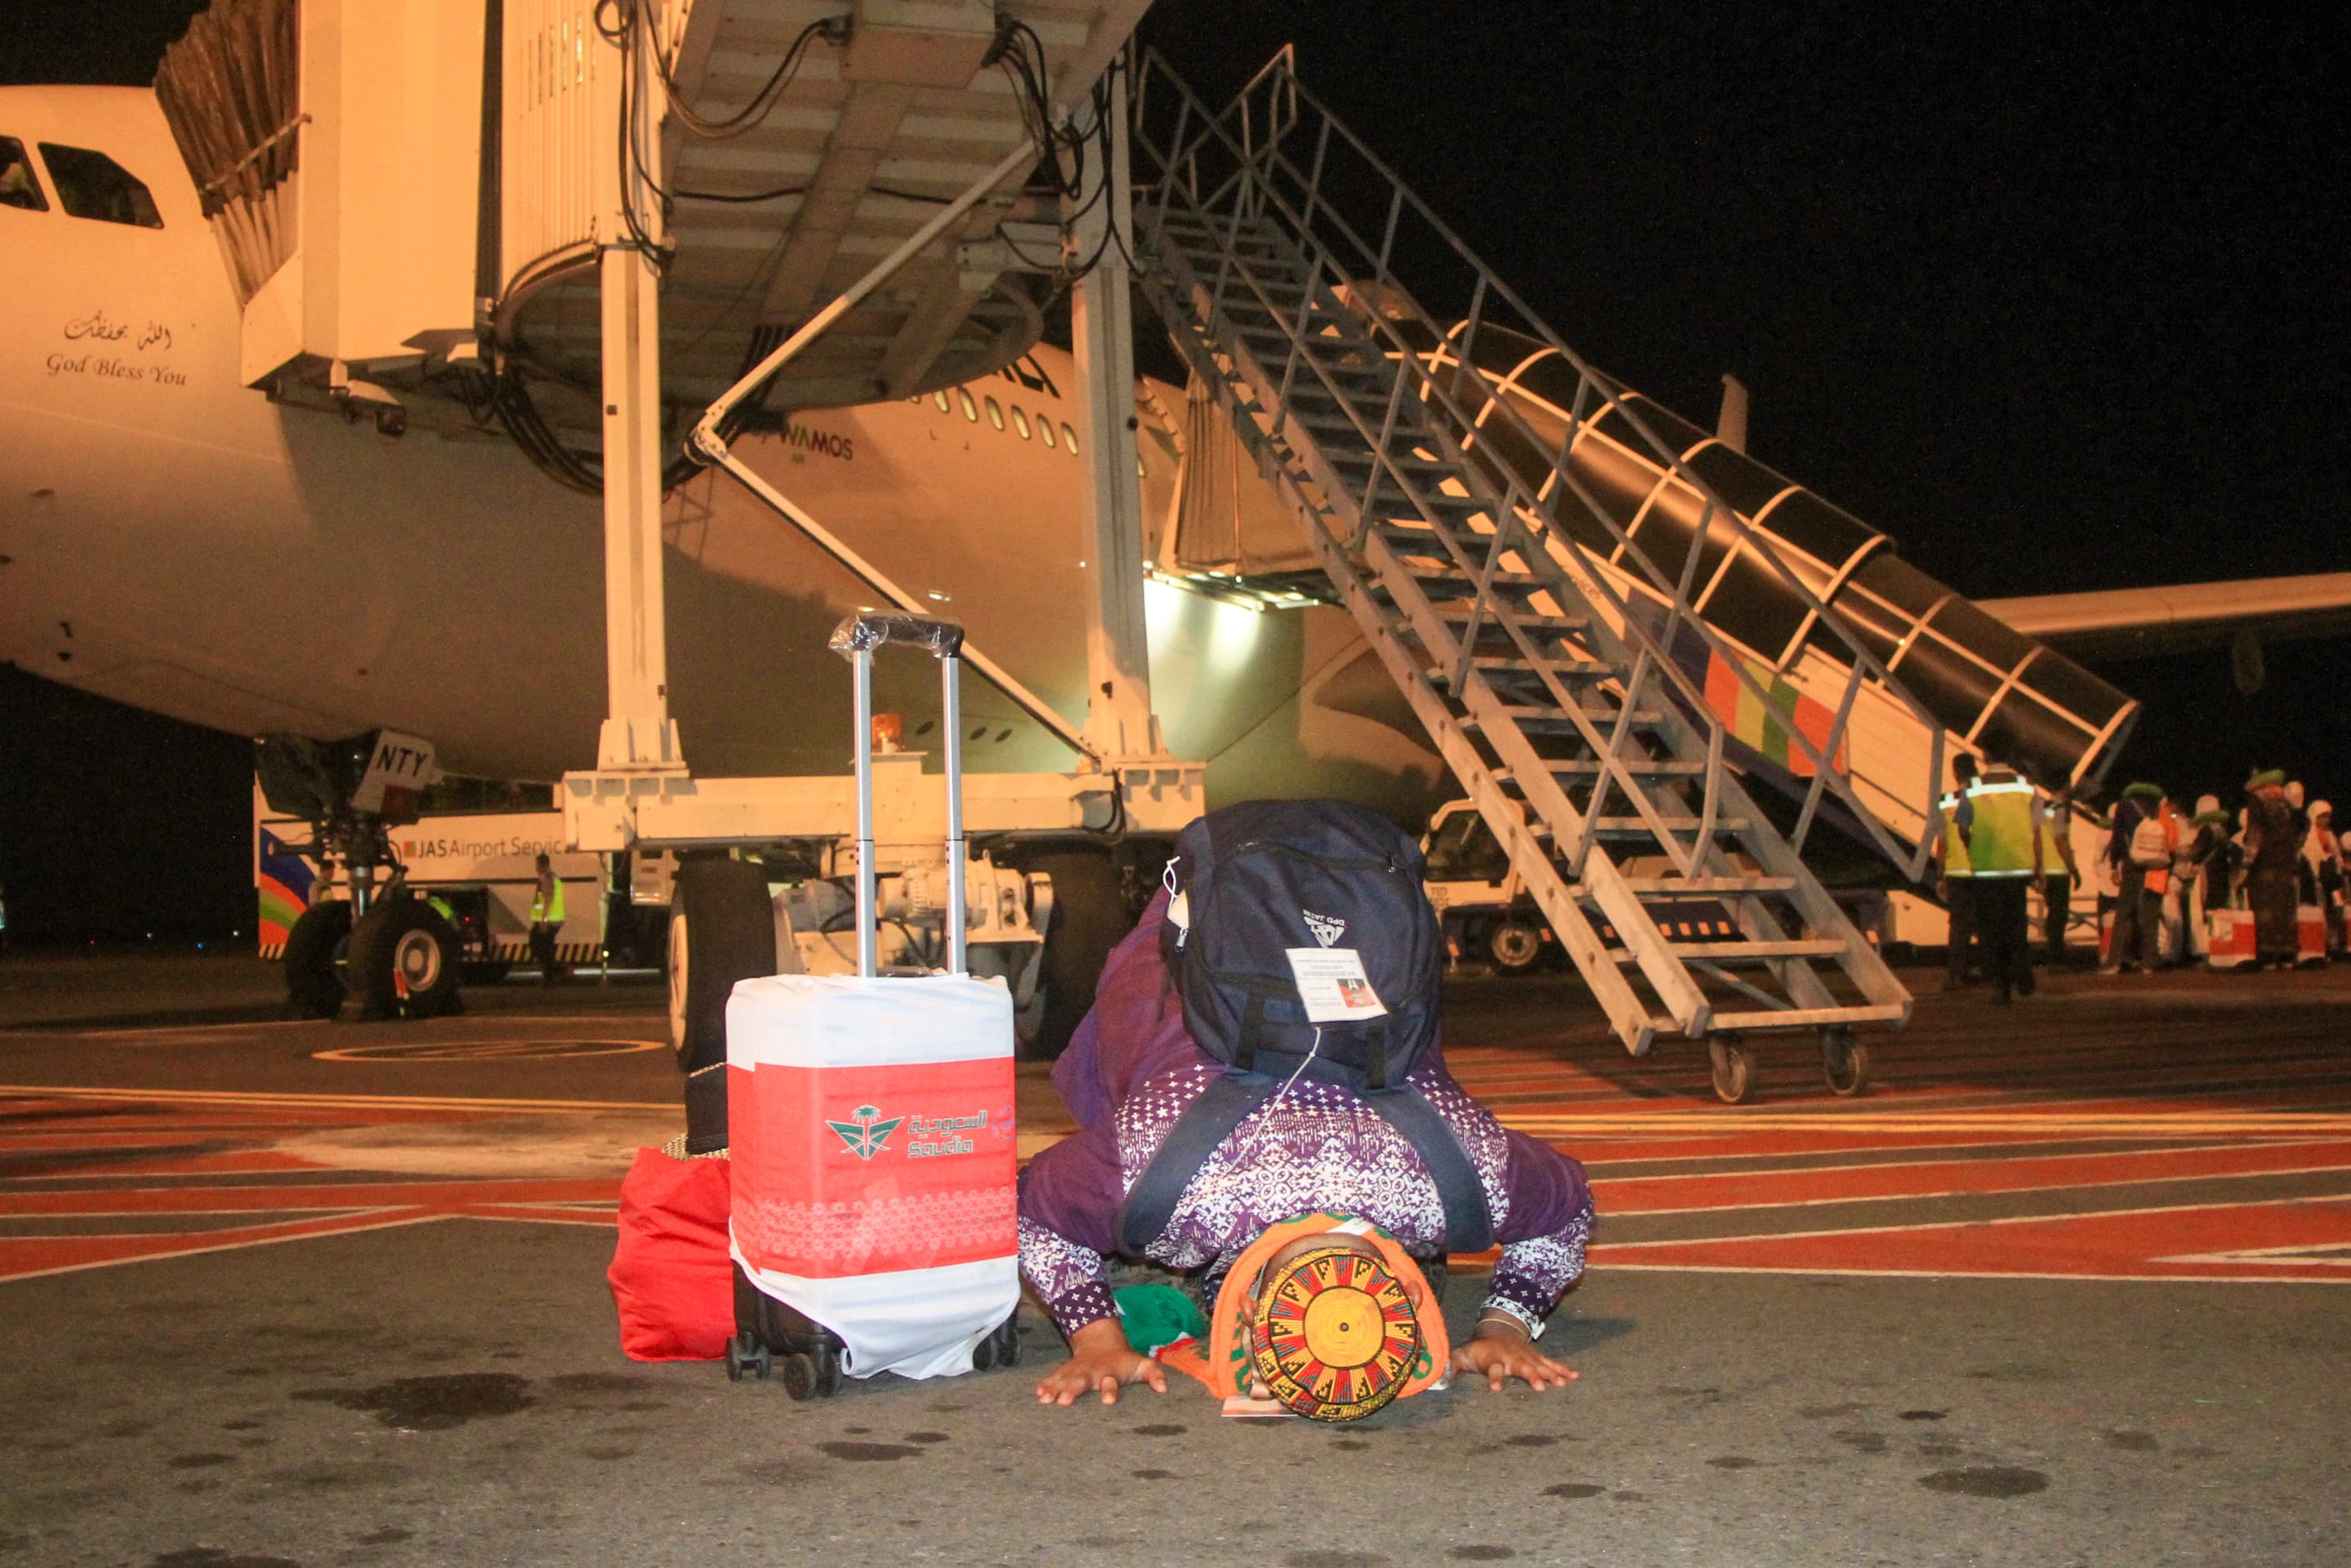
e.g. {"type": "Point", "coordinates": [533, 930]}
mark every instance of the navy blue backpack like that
{"type": "Point", "coordinates": [1251, 883]}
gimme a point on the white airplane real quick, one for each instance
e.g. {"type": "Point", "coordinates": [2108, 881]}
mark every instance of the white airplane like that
{"type": "Point", "coordinates": [176, 541]}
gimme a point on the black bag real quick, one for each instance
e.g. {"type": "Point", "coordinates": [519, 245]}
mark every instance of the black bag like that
{"type": "Point", "coordinates": [1251, 882]}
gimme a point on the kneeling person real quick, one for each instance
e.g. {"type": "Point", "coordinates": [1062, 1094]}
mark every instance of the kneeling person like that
{"type": "Point", "coordinates": [1315, 1161]}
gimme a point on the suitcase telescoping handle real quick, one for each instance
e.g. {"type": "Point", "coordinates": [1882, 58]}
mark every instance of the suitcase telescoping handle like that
{"type": "Point", "coordinates": [855, 639]}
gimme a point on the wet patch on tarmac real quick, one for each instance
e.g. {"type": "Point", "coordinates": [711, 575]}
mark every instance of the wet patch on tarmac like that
{"type": "Point", "coordinates": [433, 1404]}
{"type": "Point", "coordinates": [214, 1557]}
{"type": "Point", "coordinates": [607, 1454]}
{"type": "Point", "coordinates": [2132, 1443]}
{"type": "Point", "coordinates": [1327, 1558]}
{"type": "Point", "coordinates": [1351, 1445]}
{"type": "Point", "coordinates": [1574, 1490]}
{"type": "Point", "coordinates": [1733, 1462]}
{"type": "Point", "coordinates": [868, 1453]}
{"type": "Point", "coordinates": [927, 1436]}
{"type": "Point", "coordinates": [1531, 1440]}
{"type": "Point", "coordinates": [1160, 1429]}
{"type": "Point", "coordinates": [1830, 1412]}
{"type": "Point", "coordinates": [126, 1428]}
{"type": "Point", "coordinates": [1862, 1442]}
{"type": "Point", "coordinates": [388, 1536]}
{"type": "Point", "coordinates": [1481, 1552]}
{"type": "Point", "coordinates": [1920, 1415]}
{"type": "Point", "coordinates": [1986, 1481]}
{"type": "Point", "coordinates": [199, 1461]}
{"type": "Point", "coordinates": [1152, 1475]}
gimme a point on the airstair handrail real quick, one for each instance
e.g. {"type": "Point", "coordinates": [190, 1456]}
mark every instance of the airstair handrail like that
{"type": "Point", "coordinates": [1258, 164]}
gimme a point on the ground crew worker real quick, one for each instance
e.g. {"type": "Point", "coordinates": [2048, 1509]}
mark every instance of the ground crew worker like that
{"type": "Point", "coordinates": [2003, 843]}
{"type": "Point", "coordinates": [2053, 820]}
{"type": "Point", "coordinates": [1958, 881]}
{"type": "Point", "coordinates": [2322, 852]}
{"type": "Point", "coordinates": [546, 919]}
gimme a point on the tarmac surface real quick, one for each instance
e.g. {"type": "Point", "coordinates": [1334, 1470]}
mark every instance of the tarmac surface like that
{"type": "Point", "coordinates": [2063, 1287]}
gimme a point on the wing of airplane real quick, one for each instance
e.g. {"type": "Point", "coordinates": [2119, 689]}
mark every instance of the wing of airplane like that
{"type": "Point", "coordinates": [2116, 623]}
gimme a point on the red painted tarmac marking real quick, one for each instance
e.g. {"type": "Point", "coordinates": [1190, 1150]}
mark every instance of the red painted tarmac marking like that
{"type": "Point", "coordinates": [237, 1162]}
{"type": "Point", "coordinates": [1599, 1150]}
{"type": "Point", "coordinates": [1714, 1190]}
{"type": "Point", "coordinates": [2187, 1241]}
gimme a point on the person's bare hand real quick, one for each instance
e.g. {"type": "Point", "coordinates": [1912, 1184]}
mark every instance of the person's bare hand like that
{"type": "Point", "coordinates": [1498, 1354]}
{"type": "Point", "coordinates": [1100, 1362]}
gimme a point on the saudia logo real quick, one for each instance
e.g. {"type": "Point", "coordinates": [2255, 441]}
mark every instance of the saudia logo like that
{"type": "Point", "coordinates": [926, 1137]}
{"type": "Point", "coordinates": [1327, 929]}
{"type": "Point", "coordinates": [866, 1135]}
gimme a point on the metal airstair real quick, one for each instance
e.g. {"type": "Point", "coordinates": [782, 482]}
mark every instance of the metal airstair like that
{"type": "Point", "coordinates": [1566, 707]}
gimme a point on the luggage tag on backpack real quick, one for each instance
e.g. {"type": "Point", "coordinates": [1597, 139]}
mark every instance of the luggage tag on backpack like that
{"type": "Point", "coordinates": [1333, 986]}
{"type": "Point", "coordinates": [1179, 904]}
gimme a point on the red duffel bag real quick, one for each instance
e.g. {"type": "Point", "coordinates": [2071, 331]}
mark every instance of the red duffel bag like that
{"type": "Point", "coordinates": [671, 1276]}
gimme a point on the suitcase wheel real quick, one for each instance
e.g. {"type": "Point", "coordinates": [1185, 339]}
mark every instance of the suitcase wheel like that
{"type": "Point", "coordinates": [1001, 1347]}
{"type": "Point", "coordinates": [746, 1354]}
{"type": "Point", "coordinates": [816, 1375]}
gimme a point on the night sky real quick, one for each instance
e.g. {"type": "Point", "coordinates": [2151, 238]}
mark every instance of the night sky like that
{"type": "Point", "coordinates": [2051, 294]}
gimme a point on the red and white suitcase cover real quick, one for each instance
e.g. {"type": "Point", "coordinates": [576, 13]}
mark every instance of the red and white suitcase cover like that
{"type": "Point", "coordinates": [870, 1125]}
{"type": "Point", "coordinates": [2309, 934]}
{"type": "Point", "coordinates": [2231, 938]}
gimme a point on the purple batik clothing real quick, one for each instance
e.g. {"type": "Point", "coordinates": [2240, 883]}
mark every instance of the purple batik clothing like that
{"type": "Point", "coordinates": [1130, 1071]}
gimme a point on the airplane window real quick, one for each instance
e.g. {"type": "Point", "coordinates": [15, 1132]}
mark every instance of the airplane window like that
{"type": "Point", "coordinates": [92, 185]}
{"type": "Point", "coordinates": [940, 399]}
{"type": "Point", "coordinates": [17, 186]}
{"type": "Point", "coordinates": [970, 409]}
{"type": "Point", "coordinates": [1045, 429]}
{"type": "Point", "coordinates": [995, 413]}
{"type": "Point", "coordinates": [1070, 437]}
{"type": "Point", "coordinates": [1020, 422]}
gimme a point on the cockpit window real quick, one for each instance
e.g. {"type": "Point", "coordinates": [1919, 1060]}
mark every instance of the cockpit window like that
{"type": "Point", "coordinates": [17, 186]}
{"type": "Point", "coordinates": [92, 185]}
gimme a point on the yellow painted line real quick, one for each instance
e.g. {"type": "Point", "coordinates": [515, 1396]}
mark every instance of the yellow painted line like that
{"type": "Point", "coordinates": [331, 1102]}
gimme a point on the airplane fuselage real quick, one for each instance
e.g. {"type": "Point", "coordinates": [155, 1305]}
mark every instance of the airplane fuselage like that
{"type": "Point", "coordinates": [174, 539]}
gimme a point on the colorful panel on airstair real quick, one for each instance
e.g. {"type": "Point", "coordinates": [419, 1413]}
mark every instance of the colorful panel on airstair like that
{"type": "Point", "coordinates": [1763, 722]}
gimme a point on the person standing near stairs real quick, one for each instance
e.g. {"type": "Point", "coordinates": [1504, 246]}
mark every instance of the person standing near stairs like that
{"type": "Point", "coordinates": [545, 920]}
{"type": "Point", "coordinates": [2004, 843]}
{"type": "Point", "coordinates": [1958, 878]}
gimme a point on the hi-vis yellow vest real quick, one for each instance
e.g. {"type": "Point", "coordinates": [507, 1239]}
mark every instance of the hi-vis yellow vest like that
{"type": "Point", "coordinates": [2000, 841]}
{"type": "Point", "coordinates": [546, 908]}
{"type": "Point", "coordinates": [1955, 848]}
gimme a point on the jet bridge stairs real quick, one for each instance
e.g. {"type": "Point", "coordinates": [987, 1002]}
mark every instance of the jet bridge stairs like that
{"type": "Point", "coordinates": [1568, 720]}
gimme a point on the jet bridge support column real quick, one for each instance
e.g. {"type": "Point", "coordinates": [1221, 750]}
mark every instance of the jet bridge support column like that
{"type": "Point", "coordinates": [1119, 721]}
{"type": "Point", "coordinates": [638, 732]}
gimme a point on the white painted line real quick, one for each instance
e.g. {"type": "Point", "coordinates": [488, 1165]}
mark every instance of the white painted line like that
{"type": "Point", "coordinates": [1979, 1193]}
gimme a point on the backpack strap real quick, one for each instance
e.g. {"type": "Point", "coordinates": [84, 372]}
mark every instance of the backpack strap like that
{"type": "Point", "coordinates": [1203, 1125]}
{"type": "Point", "coordinates": [1208, 1121]}
{"type": "Point", "coordinates": [1469, 1223]}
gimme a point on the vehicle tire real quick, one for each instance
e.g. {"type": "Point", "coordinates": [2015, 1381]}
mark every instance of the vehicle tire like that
{"type": "Point", "coordinates": [314, 987]}
{"type": "Point", "coordinates": [1514, 946]}
{"type": "Point", "coordinates": [1734, 1068]}
{"type": "Point", "coordinates": [405, 939]}
{"type": "Point", "coordinates": [799, 1373]}
{"type": "Point", "coordinates": [722, 928]}
{"type": "Point", "coordinates": [1845, 1061]}
{"type": "Point", "coordinates": [1089, 916]}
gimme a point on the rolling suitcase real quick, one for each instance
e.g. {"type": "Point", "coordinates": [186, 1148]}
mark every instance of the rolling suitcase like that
{"type": "Point", "coordinates": [871, 1128]}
